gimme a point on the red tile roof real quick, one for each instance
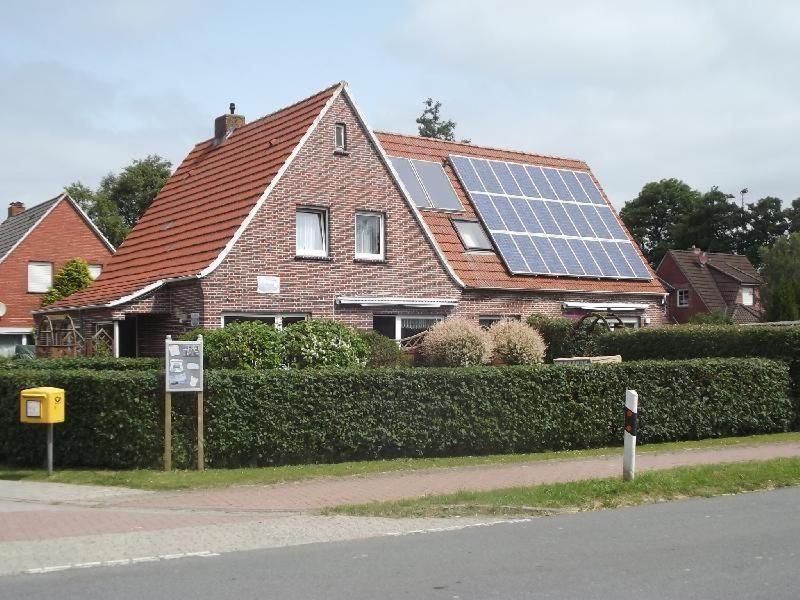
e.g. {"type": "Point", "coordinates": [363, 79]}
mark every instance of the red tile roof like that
{"type": "Point", "coordinates": [487, 270]}
{"type": "Point", "coordinates": [203, 204]}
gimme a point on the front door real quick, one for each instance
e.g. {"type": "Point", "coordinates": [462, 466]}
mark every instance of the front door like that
{"type": "Point", "coordinates": [127, 337]}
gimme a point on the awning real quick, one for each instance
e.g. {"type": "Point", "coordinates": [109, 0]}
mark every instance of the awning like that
{"type": "Point", "coordinates": [381, 301]}
{"type": "Point", "coordinates": [605, 306]}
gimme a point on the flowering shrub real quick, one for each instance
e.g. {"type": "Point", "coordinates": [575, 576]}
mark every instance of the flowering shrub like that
{"type": "Point", "coordinates": [323, 343]}
{"type": "Point", "coordinates": [515, 343]}
{"type": "Point", "coordinates": [455, 342]}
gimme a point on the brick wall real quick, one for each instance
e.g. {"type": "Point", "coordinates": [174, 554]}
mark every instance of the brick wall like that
{"type": "Point", "coordinates": [343, 185]}
{"type": "Point", "coordinates": [61, 236]}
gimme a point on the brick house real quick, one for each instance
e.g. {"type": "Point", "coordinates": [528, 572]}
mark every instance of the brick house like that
{"type": "Point", "coordinates": [34, 244]}
{"type": "Point", "coordinates": [700, 282]}
{"type": "Point", "coordinates": [304, 213]}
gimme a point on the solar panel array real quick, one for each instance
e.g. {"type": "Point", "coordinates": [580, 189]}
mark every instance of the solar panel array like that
{"type": "Point", "coordinates": [548, 221]}
{"type": "Point", "coordinates": [427, 183]}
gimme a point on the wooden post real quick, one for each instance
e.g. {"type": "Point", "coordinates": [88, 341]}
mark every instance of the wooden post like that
{"type": "Point", "coordinates": [200, 449]}
{"type": "Point", "coordinates": [167, 431]}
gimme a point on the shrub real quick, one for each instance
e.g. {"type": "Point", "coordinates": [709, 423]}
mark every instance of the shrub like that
{"type": "Point", "coordinates": [561, 337]}
{"type": "Point", "coordinates": [384, 352]}
{"type": "Point", "coordinates": [245, 345]}
{"type": "Point", "coordinates": [114, 419]}
{"type": "Point", "coordinates": [715, 317]}
{"type": "Point", "coordinates": [72, 277]}
{"type": "Point", "coordinates": [323, 343]}
{"type": "Point", "coordinates": [455, 342]}
{"type": "Point", "coordinates": [90, 363]}
{"type": "Point", "coordinates": [515, 343]}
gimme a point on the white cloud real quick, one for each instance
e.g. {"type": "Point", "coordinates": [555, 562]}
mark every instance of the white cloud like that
{"type": "Point", "coordinates": [641, 90]}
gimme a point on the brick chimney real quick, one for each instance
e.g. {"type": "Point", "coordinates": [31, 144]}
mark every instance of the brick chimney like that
{"type": "Point", "coordinates": [224, 125]}
{"type": "Point", "coordinates": [15, 208]}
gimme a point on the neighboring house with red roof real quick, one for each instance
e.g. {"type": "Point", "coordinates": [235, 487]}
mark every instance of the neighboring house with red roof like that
{"type": "Point", "coordinates": [302, 213]}
{"type": "Point", "coordinates": [34, 244]}
{"type": "Point", "coordinates": [700, 282]}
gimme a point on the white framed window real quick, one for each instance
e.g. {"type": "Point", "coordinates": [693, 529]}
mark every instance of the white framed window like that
{"type": "Point", "coordinates": [399, 327]}
{"type": "Point", "coordinates": [312, 232]}
{"type": "Point", "coordinates": [472, 235]}
{"type": "Point", "coordinates": [95, 270]}
{"type": "Point", "coordinates": [340, 137]}
{"type": "Point", "coordinates": [40, 277]}
{"type": "Point", "coordinates": [683, 298]}
{"type": "Point", "coordinates": [370, 235]}
{"type": "Point", "coordinates": [277, 320]}
{"type": "Point", "coordinates": [747, 296]}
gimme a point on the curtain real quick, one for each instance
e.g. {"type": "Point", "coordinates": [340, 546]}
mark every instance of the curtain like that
{"type": "Point", "coordinates": [368, 234]}
{"type": "Point", "coordinates": [310, 232]}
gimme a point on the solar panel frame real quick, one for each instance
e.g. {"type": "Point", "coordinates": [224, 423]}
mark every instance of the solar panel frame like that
{"type": "Point", "coordinates": [408, 175]}
{"type": "Point", "coordinates": [437, 185]}
{"type": "Point", "coordinates": [549, 221]}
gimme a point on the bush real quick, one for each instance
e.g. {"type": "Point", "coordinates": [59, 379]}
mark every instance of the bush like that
{"type": "Point", "coordinates": [90, 363]}
{"type": "Point", "coordinates": [323, 343]}
{"type": "Point", "coordinates": [72, 277]}
{"type": "Point", "coordinates": [277, 416]}
{"type": "Point", "coordinates": [455, 342]}
{"type": "Point", "coordinates": [715, 317]}
{"type": "Point", "coordinates": [515, 343]}
{"type": "Point", "coordinates": [383, 352]}
{"type": "Point", "coordinates": [562, 339]}
{"type": "Point", "coordinates": [246, 345]}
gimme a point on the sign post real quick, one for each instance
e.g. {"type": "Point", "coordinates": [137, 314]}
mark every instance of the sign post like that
{"type": "Point", "coordinates": [184, 373]}
{"type": "Point", "coordinates": [631, 429]}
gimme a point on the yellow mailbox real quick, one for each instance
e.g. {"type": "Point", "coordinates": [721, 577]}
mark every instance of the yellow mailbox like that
{"type": "Point", "coordinates": [42, 405]}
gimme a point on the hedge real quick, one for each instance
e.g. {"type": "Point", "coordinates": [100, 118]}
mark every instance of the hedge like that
{"type": "Point", "coordinates": [281, 417]}
{"type": "Point", "coordinates": [91, 363]}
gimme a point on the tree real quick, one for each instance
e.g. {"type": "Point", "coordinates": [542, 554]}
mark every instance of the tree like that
{"type": "Point", "coordinates": [651, 216]}
{"type": "Point", "coordinates": [712, 223]}
{"type": "Point", "coordinates": [72, 277]}
{"type": "Point", "coordinates": [431, 124]}
{"type": "Point", "coordinates": [765, 222]}
{"type": "Point", "coordinates": [792, 214]}
{"type": "Point", "coordinates": [121, 199]}
{"type": "Point", "coordinates": [781, 272]}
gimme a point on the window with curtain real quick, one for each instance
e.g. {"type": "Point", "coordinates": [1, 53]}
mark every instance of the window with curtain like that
{"type": "Point", "coordinates": [369, 235]}
{"type": "Point", "coordinates": [312, 233]}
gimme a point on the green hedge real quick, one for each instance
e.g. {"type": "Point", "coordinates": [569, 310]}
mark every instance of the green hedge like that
{"type": "Point", "coordinates": [276, 417]}
{"type": "Point", "coordinates": [91, 363]}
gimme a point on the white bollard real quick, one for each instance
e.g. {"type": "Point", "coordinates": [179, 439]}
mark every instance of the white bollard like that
{"type": "Point", "coordinates": [631, 427]}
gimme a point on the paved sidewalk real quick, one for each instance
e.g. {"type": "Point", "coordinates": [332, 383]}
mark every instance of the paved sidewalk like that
{"type": "Point", "coordinates": [326, 492]}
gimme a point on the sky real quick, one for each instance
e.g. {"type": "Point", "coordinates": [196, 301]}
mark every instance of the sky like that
{"type": "Point", "coordinates": [641, 90]}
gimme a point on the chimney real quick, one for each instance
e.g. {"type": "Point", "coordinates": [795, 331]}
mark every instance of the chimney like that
{"type": "Point", "coordinates": [15, 208]}
{"type": "Point", "coordinates": [224, 125]}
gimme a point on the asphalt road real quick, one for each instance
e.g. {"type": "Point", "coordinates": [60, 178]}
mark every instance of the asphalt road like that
{"type": "Point", "coordinates": [745, 546]}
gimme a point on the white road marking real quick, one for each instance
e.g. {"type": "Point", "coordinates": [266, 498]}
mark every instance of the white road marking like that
{"type": "Point", "coordinates": [121, 562]}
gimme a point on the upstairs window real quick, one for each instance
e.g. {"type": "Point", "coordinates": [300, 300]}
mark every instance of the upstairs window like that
{"type": "Point", "coordinates": [340, 137]}
{"type": "Point", "coordinates": [40, 277]}
{"type": "Point", "coordinates": [312, 232]}
{"type": "Point", "coordinates": [369, 236]}
{"type": "Point", "coordinates": [683, 298]}
{"type": "Point", "coordinates": [472, 235]}
{"type": "Point", "coordinates": [747, 296]}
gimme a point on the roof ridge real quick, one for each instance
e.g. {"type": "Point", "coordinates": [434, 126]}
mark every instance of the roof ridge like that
{"type": "Point", "coordinates": [482, 147]}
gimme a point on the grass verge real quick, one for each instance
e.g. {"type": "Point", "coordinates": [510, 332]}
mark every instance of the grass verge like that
{"type": "Point", "coordinates": [213, 478]}
{"type": "Point", "coordinates": [653, 486]}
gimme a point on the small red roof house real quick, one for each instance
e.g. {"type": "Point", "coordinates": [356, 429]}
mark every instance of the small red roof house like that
{"type": "Point", "coordinates": [700, 282]}
{"type": "Point", "coordinates": [34, 244]}
{"type": "Point", "coordinates": [308, 212]}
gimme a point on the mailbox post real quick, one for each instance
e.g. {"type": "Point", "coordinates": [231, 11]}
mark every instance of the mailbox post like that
{"type": "Point", "coordinates": [184, 373]}
{"type": "Point", "coordinates": [43, 405]}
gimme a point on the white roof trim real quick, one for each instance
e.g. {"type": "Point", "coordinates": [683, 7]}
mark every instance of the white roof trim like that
{"type": "Point", "coordinates": [17, 330]}
{"type": "Point", "coordinates": [414, 210]}
{"type": "Point", "coordinates": [388, 301]}
{"type": "Point", "coordinates": [91, 224]}
{"type": "Point", "coordinates": [287, 163]}
{"type": "Point", "coordinates": [606, 306]}
{"type": "Point", "coordinates": [34, 226]}
{"type": "Point", "coordinates": [132, 296]}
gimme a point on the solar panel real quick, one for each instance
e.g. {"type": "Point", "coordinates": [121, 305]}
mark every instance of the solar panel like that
{"type": "Point", "coordinates": [549, 221]}
{"type": "Point", "coordinates": [427, 183]}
